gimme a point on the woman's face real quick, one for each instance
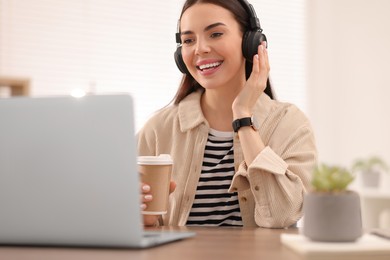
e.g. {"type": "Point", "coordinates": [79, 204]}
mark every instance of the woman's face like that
{"type": "Point", "coordinates": [211, 50]}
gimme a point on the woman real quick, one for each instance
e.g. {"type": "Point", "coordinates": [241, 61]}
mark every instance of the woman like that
{"type": "Point", "coordinates": [225, 173]}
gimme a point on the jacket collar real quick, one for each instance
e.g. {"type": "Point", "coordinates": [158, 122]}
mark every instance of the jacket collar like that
{"type": "Point", "coordinates": [190, 112]}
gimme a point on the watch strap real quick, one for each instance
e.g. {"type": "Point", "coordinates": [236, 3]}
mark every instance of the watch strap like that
{"type": "Point", "coordinates": [238, 123]}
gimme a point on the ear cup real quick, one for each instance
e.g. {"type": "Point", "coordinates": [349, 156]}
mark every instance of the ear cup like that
{"type": "Point", "coordinates": [250, 43]}
{"type": "Point", "coordinates": [179, 61]}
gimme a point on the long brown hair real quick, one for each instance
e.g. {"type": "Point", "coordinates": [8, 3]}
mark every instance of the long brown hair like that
{"type": "Point", "coordinates": [188, 84]}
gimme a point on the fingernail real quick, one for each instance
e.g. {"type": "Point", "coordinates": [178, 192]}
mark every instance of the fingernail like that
{"type": "Point", "coordinates": [143, 206]}
{"type": "Point", "coordinates": [261, 47]}
{"type": "Point", "coordinates": [146, 188]}
{"type": "Point", "coordinates": [148, 197]}
{"type": "Point", "coordinates": [256, 56]}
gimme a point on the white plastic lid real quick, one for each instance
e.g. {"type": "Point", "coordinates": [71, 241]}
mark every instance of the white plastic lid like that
{"type": "Point", "coordinates": [162, 159]}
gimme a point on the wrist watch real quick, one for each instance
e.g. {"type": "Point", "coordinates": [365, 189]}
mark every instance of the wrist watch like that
{"type": "Point", "coordinates": [245, 121]}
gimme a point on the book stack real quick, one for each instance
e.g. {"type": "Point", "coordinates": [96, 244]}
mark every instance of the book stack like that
{"type": "Point", "coordinates": [368, 246]}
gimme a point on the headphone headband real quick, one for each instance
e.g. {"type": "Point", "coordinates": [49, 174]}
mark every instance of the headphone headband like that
{"type": "Point", "coordinates": [254, 22]}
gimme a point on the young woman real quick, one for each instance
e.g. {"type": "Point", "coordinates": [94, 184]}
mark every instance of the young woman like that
{"type": "Point", "coordinates": [240, 157]}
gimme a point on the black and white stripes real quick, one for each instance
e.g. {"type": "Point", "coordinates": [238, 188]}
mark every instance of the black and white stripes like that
{"type": "Point", "coordinates": [213, 205]}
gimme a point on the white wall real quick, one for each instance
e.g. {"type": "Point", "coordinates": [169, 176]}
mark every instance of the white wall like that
{"type": "Point", "coordinates": [349, 78]}
{"type": "Point", "coordinates": [104, 46]}
{"type": "Point", "coordinates": [347, 49]}
{"type": "Point", "coordinates": [99, 46]}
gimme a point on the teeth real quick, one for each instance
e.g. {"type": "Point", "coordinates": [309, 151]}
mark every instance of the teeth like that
{"type": "Point", "coordinates": [210, 65]}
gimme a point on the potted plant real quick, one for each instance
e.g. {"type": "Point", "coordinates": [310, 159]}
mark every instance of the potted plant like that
{"type": "Point", "coordinates": [370, 170]}
{"type": "Point", "coordinates": [332, 212]}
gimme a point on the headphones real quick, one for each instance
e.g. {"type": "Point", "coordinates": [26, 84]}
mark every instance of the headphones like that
{"type": "Point", "coordinates": [251, 40]}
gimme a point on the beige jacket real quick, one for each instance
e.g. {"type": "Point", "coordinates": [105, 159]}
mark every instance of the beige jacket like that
{"type": "Point", "coordinates": [270, 190]}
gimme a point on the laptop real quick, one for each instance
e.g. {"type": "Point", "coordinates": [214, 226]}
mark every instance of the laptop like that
{"type": "Point", "coordinates": [68, 174]}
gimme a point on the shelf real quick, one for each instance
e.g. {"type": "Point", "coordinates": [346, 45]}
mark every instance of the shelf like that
{"type": "Point", "coordinates": [18, 86]}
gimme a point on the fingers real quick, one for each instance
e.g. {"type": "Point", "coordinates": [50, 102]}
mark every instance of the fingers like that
{"type": "Point", "coordinates": [145, 196]}
{"type": "Point", "coordinates": [263, 57]}
{"type": "Point", "coordinates": [172, 187]}
{"type": "Point", "coordinates": [145, 188]}
{"type": "Point", "coordinates": [261, 66]}
{"type": "Point", "coordinates": [151, 220]}
{"type": "Point", "coordinates": [255, 68]}
{"type": "Point", "coordinates": [266, 56]}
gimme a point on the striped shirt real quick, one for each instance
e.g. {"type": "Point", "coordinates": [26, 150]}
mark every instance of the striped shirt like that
{"type": "Point", "coordinates": [213, 204]}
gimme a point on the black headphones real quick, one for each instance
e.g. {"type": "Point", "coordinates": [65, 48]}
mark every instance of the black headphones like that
{"type": "Point", "coordinates": [250, 41]}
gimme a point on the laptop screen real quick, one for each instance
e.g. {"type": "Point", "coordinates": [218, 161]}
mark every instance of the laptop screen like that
{"type": "Point", "coordinates": [68, 171]}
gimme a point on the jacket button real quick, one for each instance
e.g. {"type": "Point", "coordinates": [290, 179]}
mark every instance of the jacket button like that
{"type": "Point", "coordinates": [234, 189]}
{"type": "Point", "coordinates": [243, 199]}
{"type": "Point", "coordinates": [257, 188]}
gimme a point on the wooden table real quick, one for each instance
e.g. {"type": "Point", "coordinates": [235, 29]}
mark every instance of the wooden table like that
{"type": "Point", "coordinates": [209, 243]}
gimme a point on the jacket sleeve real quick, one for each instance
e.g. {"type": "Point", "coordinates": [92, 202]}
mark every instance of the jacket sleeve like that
{"type": "Point", "coordinates": [279, 176]}
{"type": "Point", "coordinates": [146, 141]}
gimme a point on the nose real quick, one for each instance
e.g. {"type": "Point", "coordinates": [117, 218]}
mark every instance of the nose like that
{"type": "Point", "coordinates": [202, 47]}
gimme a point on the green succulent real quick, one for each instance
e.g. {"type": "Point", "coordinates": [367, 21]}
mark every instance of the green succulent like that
{"type": "Point", "coordinates": [331, 178]}
{"type": "Point", "coordinates": [369, 164]}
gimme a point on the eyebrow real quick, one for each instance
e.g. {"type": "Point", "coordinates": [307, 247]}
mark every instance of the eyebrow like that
{"type": "Point", "coordinates": [207, 28]}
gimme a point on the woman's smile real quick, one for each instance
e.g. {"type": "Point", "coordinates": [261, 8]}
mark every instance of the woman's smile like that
{"type": "Point", "coordinates": [208, 67]}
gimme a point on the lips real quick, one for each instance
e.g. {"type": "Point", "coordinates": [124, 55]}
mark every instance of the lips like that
{"type": "Point", "coordinates": [209, 65]}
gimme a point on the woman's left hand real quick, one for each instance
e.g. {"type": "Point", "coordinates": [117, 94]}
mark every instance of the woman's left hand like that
{"type": "Point", "coordinates": [243, 104]}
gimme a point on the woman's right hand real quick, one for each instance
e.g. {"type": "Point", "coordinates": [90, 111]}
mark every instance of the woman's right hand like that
{"type": "Point", "coordinates": [255, 85]}
{"type": "Point", "coordinates": [146, 196]}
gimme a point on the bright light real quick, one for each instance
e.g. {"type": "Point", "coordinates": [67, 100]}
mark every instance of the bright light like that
{"type": "Point", "coordinates": [77, 93]}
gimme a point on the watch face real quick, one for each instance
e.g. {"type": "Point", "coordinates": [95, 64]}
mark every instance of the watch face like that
{"type": "Point", "coordinates": [255, 123]}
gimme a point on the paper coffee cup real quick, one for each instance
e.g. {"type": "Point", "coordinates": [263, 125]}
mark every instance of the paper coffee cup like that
{"type": "Point", "coordinates": [156, 172]}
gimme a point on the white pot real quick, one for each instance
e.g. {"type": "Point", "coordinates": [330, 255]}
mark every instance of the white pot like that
{"type": "Point", "coordinates": [370, 179]}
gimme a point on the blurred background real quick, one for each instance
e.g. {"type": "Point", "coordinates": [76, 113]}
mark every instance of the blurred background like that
{"type": "Point", "coordinates": [329, 57]}
{"type": "Point", "coordinates": [102, 46]}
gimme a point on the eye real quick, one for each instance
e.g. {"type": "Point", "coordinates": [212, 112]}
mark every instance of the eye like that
{"type": "Point", "coordinates": [216, 35]}
{"type": "Point", "coordinates": [188, 41]}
